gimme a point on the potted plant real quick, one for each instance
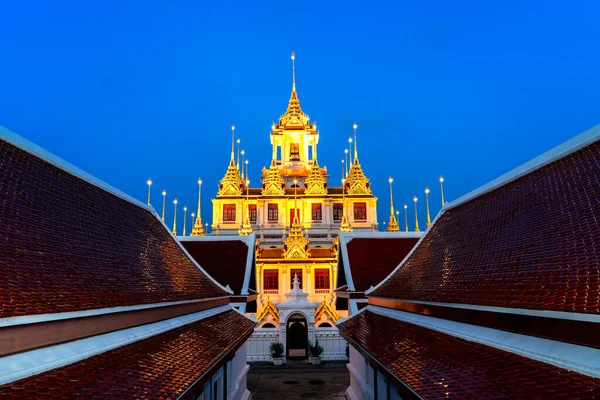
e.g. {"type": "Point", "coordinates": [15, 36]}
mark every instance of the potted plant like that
{"type": "Point", "coordinates": [315, 352]}
{"type": "Point", "coordinates": [277, 353]}
{"type": "Point", "coordinates": [310, 350]}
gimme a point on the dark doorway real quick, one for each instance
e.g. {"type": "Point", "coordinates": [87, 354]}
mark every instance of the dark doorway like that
{"type": "Point", "coordinates": [297, 337]}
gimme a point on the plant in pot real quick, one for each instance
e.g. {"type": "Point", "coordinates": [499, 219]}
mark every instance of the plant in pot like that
{"type": "Point", "coordinates": [277, 353]}
{"type": "Point", "coordinates": [315, 352]}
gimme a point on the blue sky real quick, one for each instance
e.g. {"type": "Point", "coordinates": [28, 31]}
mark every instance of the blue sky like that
{"type": "Point", "coordinates": [131, 90]}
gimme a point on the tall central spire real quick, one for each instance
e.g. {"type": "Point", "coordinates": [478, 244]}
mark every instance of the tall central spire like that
{"type": "Point", "coordinates": [232, 143]}
{"type": "Point", "coordinates": [293, 74]}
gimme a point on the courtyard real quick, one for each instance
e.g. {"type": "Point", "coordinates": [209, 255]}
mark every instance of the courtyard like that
{"type": "Point", "coordinates": [298, 380]}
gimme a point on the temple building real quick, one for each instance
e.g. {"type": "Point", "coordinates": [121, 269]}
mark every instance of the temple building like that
{"type": "Point", "coordinates": [296, 216]}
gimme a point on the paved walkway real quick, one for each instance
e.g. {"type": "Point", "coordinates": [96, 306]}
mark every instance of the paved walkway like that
{"type": "Point", "coordinates": [298, 380]}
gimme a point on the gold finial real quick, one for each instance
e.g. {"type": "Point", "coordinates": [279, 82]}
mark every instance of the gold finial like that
{"type": "Point", "coordinates": [442, 189]}
{"type": "Point", "coordinates": [246, 227]}
{"type": "Point", "coordinates": [427, 207]}
{"type": "Point", "coordinates": [175, 217]}
{"type": "Point", "coordinates": [246, 162]}
{"type": "Point", "coordinates": [232, 142]}
{"type": "Point", "coordinates": [393, 224]}
{"type": "Point", "coordinates": [199, 194]}
{"type": "Point", "coordinates": [238, 153]}
{"type": "Point", "coordinates": [149, 182]}
{"type": "Point", "coordinates": [197, 229]}
{"type": "Point", "coordinates": [164, 193]}
{"type": "Point", "coordinates": [293, 72]}
{"type": "Point", "coordinates": [406, 217]}
{"type": "Point", "coordinates": [350, 145]}
{"type": "Point", "coordinates": [347, 163]}
{"type": "Point", "coordinates": [184, 219]}
{"type": "Point", "coordinates": [416, 216]}
{"type": "Point", "coordinates": [243, 154]}
{"type": "Point", "coordinates": [192, 216]}
{"type": "Point", "coordinates": [355, 148]}
{"type": "Point", "coordinates": [345, 225]}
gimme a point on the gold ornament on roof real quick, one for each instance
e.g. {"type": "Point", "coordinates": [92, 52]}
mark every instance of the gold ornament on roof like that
{"type": "Point", "coordinates": [232, 183]}
{"type": "Point", "coordinates": [325, 308]}
{"type": "Point", "coordinates": [393, 224]}
{"type": "Point", "coordinates": [269, 308]}
{"type": "Point", "coordinates": [198, 229]}
{"type": "Point", "coordinates": [273, 183]}
{"type": "Point", "coordinates": [357, 182]}
{"type": "Point", "coordinates": [294, 118]}
{"type": "Point", "coordinates": [315, 182]}
{"type": "Point", "coordinates": [296, 244]}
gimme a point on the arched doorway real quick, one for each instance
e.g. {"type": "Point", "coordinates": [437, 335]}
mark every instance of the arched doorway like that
{"type": "Point", "coordinates": [297, 336]}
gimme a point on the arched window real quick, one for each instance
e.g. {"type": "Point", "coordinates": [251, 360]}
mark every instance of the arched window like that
{"type": "Point", "coordinates": [268, 326]}
{"type": "Point", "coordinates": [325, 325]}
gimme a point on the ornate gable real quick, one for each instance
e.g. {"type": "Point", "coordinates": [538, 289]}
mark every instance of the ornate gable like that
{"type": "Point", "coordinates": [315, 182]}
{"type": "Point", "coordinates": [232, 183]}
{"type": "Point", "coordinates": [273, 183]}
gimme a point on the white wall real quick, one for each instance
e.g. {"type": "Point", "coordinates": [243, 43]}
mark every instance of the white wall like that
{"type": "Point", "coordinates": [333, 344]}
{"type": "Point", "coordinates": [259, 343]}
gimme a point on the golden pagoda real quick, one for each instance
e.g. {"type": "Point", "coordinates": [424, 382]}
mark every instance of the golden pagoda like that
{"type": "Point", "coordinates": [294, 213]}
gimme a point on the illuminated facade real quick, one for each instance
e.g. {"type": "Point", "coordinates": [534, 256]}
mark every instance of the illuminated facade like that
{"type": "Point", "coordinates": [295, 214]}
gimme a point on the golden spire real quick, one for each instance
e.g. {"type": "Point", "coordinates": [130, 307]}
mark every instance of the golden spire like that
{"type": "Point", "coordinates": [296, 245]}
{"type": "Point", "coordinates": [242, 166]}
{"type": "Point", "coordinates": [273, 183]}
{"type": "Point", "coordinates": [416, 216]}
{"type": "Point", "coordinates": [348, 164]}
{"type": "Point", "coordinates": [293, 73]}
{"type": "Point", "coordinates": [232, 142]}
{"type": "Point", "coordinates": [149, 182]}
{"type": "Point", "coordinates": [232, 183]}
{"type": "Point", "coordinates": [442, 188]}
{"type": "Point", "coordinates": [164, 193]}
{"type": "Point", "coordinates": [197, 229]}
{"type": "Point", "coordinates": [355, 148]}
{"type": "Point", "coordinates": [427, 207]}
{"type": "Point", "coordinates": [350, 145]}
{"type": "Point", "coordinates": [393, 224]}
{"type": "Point", "coordinates": [345, 225]}
{"type": "Point", "coordinates": [184, 220]}
{"type": "Point", "coordinates": [246, 228]}
{"type": "Point", "coordinates": [175, 217]}
{"type": "Point", "coordinates": [238, 153]}
{"type": "Point", "coordinates": [406, 216]}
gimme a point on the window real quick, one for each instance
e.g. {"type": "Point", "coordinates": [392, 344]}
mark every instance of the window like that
{"type": "Point", "coordinates": [252, 211]}
{"type": "Point", "coordinates": [322, 278]}
{"type": "Point", "coordinates": [316, 212]}
{"type": "Point", "coordinates": [273, 214]}
{"type": "Point", "coordinates": [294, 272]}
{"type": "Point", "coordinates": [360, 211]}
{"type": "Point", "coordinates": [294, 152]}
{"type": "Point", "coordinates": [338, 211]}
{"type": "Point", "coordinates": [229, 212]}
{"type": "Point", "coordinates": [271, 279]}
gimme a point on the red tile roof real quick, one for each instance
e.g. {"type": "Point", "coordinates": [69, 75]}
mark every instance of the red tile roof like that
{"type": "Point", "coordinates": [68, 245]}
{"type": "Point", "coordinates": [437, 365]}
{"type": "Point", "coordinates": [160, 367]}
{"type": "Point", "coordinates": [225, 261]}
{"type": "Point", "coordinates": [373, 259]}
{"type": "Point", "coordinates": [532, 243]}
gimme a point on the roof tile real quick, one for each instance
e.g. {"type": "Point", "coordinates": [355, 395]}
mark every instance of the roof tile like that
{"type": "Point", "coordinates": [68, 245]}
{"type": "Point", "coordinates": [532, 243]}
